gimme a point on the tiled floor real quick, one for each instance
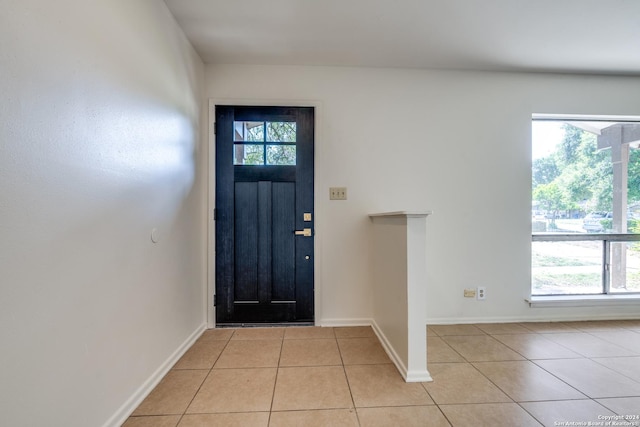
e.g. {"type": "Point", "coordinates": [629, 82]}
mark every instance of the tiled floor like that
{"type": "Point", "coordinates": [526, 374]}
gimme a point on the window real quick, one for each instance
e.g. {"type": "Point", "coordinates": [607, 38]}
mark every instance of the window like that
{"type": "Point", "coordinates": [585, 207]}
{"type": "Point", "coordinates": [264, 143]}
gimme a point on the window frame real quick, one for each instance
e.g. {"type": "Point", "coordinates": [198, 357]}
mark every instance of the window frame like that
{"type": "Point", "coordinates": [606, 295]}
{"type": "Point", "coordinates": [265, 143]}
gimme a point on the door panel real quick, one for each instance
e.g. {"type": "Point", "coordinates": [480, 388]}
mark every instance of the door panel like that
{"type": "Point", "coordinates": [246, 241]}
{"type": "Point", "coordinates": [264, 271]}
{"type": "Point", "coordinates": [265, 217]}
{"type": "Point", "coordinates": [283, 287]}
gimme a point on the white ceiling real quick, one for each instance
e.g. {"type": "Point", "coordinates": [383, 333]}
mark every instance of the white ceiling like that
{"type": "Point", "coordinates": [583, 36]}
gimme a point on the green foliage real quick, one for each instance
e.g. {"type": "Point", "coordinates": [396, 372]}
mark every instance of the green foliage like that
{"type": "Point", "coordinates": [551, 197]}
{"type": "Point", "coordinates": [251, 154]}
{"type": "Point", "coordinates": [281, 155]}
{"type": "Point", "coordinates": [634, 175]}
{"type": "Point", "coordinates": [578, 176]}
{"type": "Point", "coordinates": [633, 225]}
{"type": "Point", "coordinates": [544, 170]}
{"type": "Point", "coordinates": [570, 143]}
{"type": "Point", "coordinates": [254, 132]}
{"type": "Point", "coordinates": [281, 131]}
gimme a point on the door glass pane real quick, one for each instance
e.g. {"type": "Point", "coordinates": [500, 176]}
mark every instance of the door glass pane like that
{"type": "Point", "coordinates": [281, 132]}
{"type": "Point", "coordinates": [282, 155]}
{"type": "Point", "coordinates": [625, 267]}
{"type": "Point", "coordinates": [248, 154]}
{"type": "Point", "coordinates": [562, 268]}
{"type": "Point", "coordinates": [248, 131]}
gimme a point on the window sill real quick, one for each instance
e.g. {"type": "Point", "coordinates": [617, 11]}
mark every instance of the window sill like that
{"type": "Point", "coordinates": [583, 300]}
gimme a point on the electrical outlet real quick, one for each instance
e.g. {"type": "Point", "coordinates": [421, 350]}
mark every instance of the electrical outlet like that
{"type": "Point", "coordinates": [469, 293]}
{"type": "Point", "coordinates": [482, 292]}
{"type": "Point", "coordinates": [338, 193]}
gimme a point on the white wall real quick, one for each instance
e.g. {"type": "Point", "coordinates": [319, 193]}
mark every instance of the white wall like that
{"type": "Point", "coordinates": [100, 141]}
{"type": "Point", "coordinates": [457, 143]}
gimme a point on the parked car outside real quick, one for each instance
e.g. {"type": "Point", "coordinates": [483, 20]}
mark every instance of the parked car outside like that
{"type": "Point", "coordinates": [591, 222]}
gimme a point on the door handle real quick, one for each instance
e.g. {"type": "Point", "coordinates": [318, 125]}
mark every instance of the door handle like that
{"type": "Point", "coordinates": [305, 232]}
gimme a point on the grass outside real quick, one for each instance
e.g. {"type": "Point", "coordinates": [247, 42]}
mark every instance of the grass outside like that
{"type": "Point", "coordinates": [566, 268]}
{"type": "Point", "coordinates": [540, 260]}
{"type": "Point", "coordinates": [581, 283]}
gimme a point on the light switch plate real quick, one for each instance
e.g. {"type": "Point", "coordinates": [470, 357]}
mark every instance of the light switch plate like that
{"type": "Point", "coordinates": [338, 193]}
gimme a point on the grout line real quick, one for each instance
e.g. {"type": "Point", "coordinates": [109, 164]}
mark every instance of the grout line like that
{"type": "Point", "coordinates": [205, 377]}
{"type": "Point", "coordinates": [344, 370]}
{"type": "Point", "coordinates": [275, 382]}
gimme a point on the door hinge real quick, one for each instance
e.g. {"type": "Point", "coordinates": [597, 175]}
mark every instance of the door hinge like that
{"type": "Point", "coordinates": [215, 214]}
{"type": "Point", "coordinates": [215, 128]}
{"type": "Point", "coordinates": [215, 300]}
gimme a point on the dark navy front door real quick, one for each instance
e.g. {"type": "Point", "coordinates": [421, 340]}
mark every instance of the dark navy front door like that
{"type": "Point", "coordinates": [264, 214]}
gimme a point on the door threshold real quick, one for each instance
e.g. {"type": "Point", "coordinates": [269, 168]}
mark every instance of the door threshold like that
{"type": "Point", "coordinates": [264, 325]}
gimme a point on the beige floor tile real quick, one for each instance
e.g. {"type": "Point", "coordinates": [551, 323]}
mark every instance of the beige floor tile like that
{"type": "Point", "coordinates": [439, 351]}
{"type": "Point", "coordinates": [536, 346]}
{"type": "Point", "coordinates": [362, 351]}
{"type": "Point", "coordinates": [405, 416]}
{"type": "Point", "coordinates": [445, 330]}
{"type": "Point", "coordinates": [258, 334]}
{"type": "Point", "coordinates": [202, 355]}
{"type": "Point", "coordinates": [488, 415]}
{"type": "Point", "coordinates": [235, 390]}
{"type": "Point", "coordinates": [624, 406]}
{"type": "Point", "coordinates": [240, 419]}
{"type": "Point", "coordinates": [596, 325]}
{"type": "Point", "coordinates": [310, 332]}
{"type": "Point", "coordinates": [628, 366]}
{"type": "Point", "coordinates": [623, 338]}
{"type": "Point", "coordinates": [555, 413]}
{"type": "Point", "coordinates": [382, 385]}
{"type": "Point", "coordinates": [548, 327]}
{"type": "Point", "coordinates": [308, 352]}
{"type": "Point", "coordinates": [589, 345]}
{"type": "Point", "coordinates": [153, 421]}
{"type": "Point", "coordinates": [481, 348]}
{"type": "Point", "coordinates": [503, 328]}
{"type": "Point", "coordinates": [591, 378]}
{"type": "Point", "coordinates": [250, 354]}
{"type": "Point", "coordinates": [317, 418]}
{"type": "Point", "coordinates": [173, 393]}
{"type": "Point", "coordinates": [316, 387]}
{"type": "Point", "coordinates": [524, 381]}
{"type": "Point", "coordinates": [468, 394]}
{"type": "Point", "coordinates": [461, 383]}
{"type": "Point", "coordinates": [222, 334]}
{"type": "Point", "coordinates": [354, 332]}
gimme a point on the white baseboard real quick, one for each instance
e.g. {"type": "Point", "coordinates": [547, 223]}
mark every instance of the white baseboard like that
{"type": "Point", "coordinates": [418, 377]}
{"type": "Point", "coordinates": [409, 376]}
{"type": "Point", "coordinates": [344, 322]}
{"type": "Point", "coordinates": [522, 319]}
{"type": "Point", "coordinates": [468, 320]}
{"type": "Point", "coordinates": [121, 415]}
